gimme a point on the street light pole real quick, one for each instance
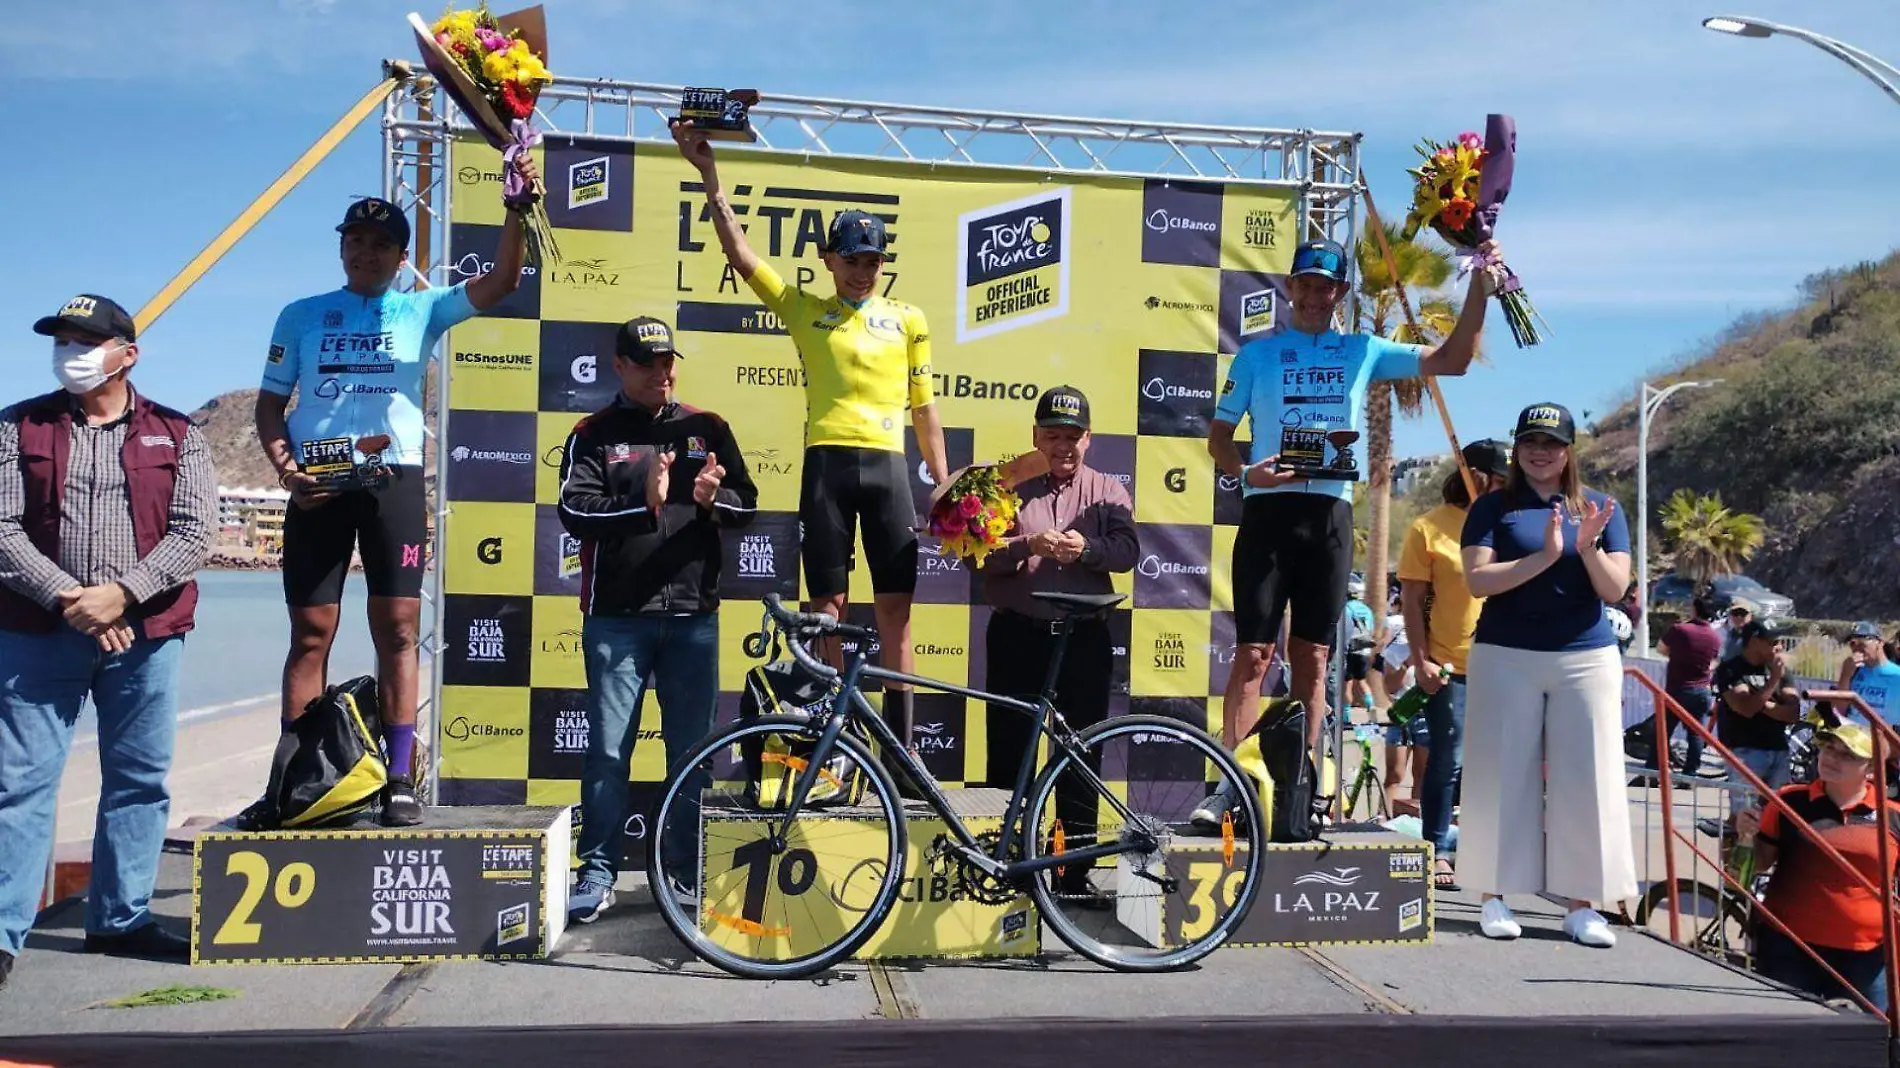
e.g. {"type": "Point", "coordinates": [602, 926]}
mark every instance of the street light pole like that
{"type": "Point", "coordinates": [1650, 402]}
{"type": "Point", "coordinates": [1875, 69]}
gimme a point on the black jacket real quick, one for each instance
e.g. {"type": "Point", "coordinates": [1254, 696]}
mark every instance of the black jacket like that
{"type": "Point", "coordinates": [634, 562]}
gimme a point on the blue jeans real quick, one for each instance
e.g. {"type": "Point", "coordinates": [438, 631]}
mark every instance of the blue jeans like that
{"type": "Point", "coordinates": [679, 655]}
{"type": "Point", "coordinates": [1769, 765]}
{"type": "Point", "coordinates": [1698, 702]}
{"type": "Point", "coordinates": [44, 681]}
{"type": "Point", "coordinates": [1781, 960]}
{"type": "Point", "coordinates": [1445, 721]}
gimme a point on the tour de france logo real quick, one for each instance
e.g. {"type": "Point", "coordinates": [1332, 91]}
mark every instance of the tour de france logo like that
{"type": "Point", "coordinates": [1013, 261]}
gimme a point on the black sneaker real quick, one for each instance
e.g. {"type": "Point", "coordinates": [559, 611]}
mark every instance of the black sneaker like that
{"type": "Point", "coordinates": [260, 815]}
{"type": "Point", "coordinates": [400, 807]}
{"type": "Point", "coordinates": [150, 942]}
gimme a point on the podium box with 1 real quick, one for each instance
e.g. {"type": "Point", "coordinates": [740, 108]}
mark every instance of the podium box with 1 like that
{"type": "Point", "coordinates": [477, 883]}
{"type": "Point", "coordinates": [1359, 886]}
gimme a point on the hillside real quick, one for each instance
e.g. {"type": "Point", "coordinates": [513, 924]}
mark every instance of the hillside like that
{"type": "Point", "coordinates": [1804, 430]}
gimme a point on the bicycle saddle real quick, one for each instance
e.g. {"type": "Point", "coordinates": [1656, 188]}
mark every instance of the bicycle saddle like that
{"type": "Point", "coordinates": [1079, 604]}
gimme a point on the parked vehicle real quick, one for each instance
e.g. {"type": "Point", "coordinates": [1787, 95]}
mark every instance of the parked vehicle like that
{"type": "Point", "coordinates": [1673, 592]}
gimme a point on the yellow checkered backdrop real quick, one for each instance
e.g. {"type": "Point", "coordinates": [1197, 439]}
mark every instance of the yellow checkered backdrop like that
{"type": "Point", "coordinates": [1135, 291]}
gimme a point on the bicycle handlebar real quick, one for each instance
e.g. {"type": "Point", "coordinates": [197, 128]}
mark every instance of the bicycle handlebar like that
{"type": "Point", "coordinates": [801, 627]}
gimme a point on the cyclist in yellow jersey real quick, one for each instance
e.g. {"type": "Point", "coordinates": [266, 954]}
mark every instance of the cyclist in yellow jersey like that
{"type": "Point", "coordinates": [866, 359]}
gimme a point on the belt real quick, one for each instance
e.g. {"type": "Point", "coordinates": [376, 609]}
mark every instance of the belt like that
{"type": "Point", "coordinates": [1036, 623]}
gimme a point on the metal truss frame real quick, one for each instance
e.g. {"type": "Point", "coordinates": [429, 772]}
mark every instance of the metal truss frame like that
{"type": "Point", "coordinates": [419, 126]}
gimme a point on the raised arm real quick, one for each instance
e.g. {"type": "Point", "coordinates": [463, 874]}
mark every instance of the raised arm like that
{"type": "Point", "coordinates": [732, 240]}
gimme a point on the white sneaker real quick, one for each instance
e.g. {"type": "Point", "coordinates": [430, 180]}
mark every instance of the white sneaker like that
{"type": "Point", "coordinates": [1587, 927]}
{"type": "Point", "coordinates": [1497, 921]}
{"type": "Point", "coordinates": [1216, 805]}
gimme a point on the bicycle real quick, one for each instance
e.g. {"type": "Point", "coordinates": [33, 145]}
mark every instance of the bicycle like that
{"type": "Point", "coordinates": [806, 886]}
{"type": "Point", "coordinates": [1722, 915]}
{"type": "Point", "coordinates": [1368, 779]}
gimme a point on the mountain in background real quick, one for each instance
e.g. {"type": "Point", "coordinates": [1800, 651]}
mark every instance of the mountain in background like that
{"type": "Point", "coordinates": [1804, 430]}
{"type": "Point", "coordinates": [227, 422]}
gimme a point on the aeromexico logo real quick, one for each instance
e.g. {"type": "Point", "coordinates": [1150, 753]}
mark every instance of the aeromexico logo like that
{"type": "Point", "coordinates": [462, 454]}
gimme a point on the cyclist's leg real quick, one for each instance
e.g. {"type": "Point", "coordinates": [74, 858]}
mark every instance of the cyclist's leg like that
{"type": "Point", "coordinates": [394, 532]}
{"type": "Point", "coordinates": [318, 542]}
{"type": "Point", "coordinates": [1317, 558]}
{"type": "Point", "coordinates": [824, 538]}
{"type": "Point", "coordinates": [888, 515]}
{"type": "Point", "coordinates": [1259, 607]}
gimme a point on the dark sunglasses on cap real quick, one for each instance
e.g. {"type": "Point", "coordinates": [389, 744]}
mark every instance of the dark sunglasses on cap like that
{"type": "Point", "coordinates": [1322, 258]}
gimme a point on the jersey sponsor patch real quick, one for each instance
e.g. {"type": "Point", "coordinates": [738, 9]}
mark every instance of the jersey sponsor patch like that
{"type": "Point", "coordinates": [619, 453]}
{"type": "Point", "coordinates": [695, 447]}
{"type": "Point", "coordinates": [277, 354]}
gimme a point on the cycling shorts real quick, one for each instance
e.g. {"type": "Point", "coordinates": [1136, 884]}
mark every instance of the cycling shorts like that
{"type": "Point", "coordinates": [1292, 550]}
{"type": "Point", "coordinates": [846, 491]}
{"type": "Point", "coordinates": [389, 525]}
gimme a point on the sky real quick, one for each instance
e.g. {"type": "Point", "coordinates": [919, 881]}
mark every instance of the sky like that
{"type": "Point", "coordinates": [1669, 179]}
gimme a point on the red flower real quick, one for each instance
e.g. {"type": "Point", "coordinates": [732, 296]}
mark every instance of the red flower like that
{"type": "Point", "coordinates": [518, 103]}
{"type": "Point", "coordinates": [1458, 212]}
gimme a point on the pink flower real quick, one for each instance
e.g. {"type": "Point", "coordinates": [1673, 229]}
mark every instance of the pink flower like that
{"type": "Point", "coordinates": [1470, 140]}
{"type": "Point", "coordinates": [969, 505]}
{"type": "Point", "coordinates": [953, 524]}
{"type": "Point", "coordinates": [492, 41]}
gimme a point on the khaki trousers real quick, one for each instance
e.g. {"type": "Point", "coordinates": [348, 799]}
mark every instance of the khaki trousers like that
{"type": "Point", "coordinates": [1545, 805]}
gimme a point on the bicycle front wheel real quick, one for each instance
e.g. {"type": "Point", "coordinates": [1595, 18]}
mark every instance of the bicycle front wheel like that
{"type": "Point", "coordinates": [1174, 893]}
{"type": "Point", "coordinates": [757, 894]}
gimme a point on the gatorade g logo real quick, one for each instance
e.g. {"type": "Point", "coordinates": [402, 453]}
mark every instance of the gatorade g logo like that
{"type": "Point", "coordinates": [1014, 263]}
{"type": "Point", "coordinates": [584, 368]}
{"type": "Point", "coordinates": [488, 550]}
{"type": "Point", "coordinates": [1175, 480]}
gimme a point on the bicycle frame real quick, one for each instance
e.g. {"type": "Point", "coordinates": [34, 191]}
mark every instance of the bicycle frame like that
{"type": "Point", "coordinates": [1048, 723]}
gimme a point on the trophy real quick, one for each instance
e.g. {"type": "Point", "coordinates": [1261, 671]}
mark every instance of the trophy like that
{"type": "Point", "coordinates": [333, 463]}
{"type": "Point", "coordinates": [1303, 452]}
{"type": "Point", "coordinates": [720, 114]}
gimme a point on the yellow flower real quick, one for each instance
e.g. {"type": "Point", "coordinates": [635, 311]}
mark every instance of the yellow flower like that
{"type": "Point", "coordinates": [997, 526]}
{"type": "Point", "coordinates": [498, 66]}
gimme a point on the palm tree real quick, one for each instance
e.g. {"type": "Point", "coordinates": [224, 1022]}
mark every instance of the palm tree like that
{"type": "Point", "coordinates": [1421, 267]}
{"type": "Point", "coordinates": [1708, 539]}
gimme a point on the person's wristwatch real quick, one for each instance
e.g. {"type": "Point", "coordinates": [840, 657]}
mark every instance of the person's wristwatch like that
{"type": "Point", "coordinates": [283, 477]}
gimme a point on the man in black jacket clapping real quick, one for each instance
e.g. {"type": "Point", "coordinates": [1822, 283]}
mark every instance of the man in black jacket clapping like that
{"type": "Point", "coordinates": [646, 485]}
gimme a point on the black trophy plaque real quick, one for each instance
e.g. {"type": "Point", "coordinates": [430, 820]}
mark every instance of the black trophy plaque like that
{"type": "Point", "coordinates": [720, 114]}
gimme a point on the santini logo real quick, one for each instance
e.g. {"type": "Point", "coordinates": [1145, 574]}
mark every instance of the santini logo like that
{"type": "Point", "coordinates": [1161, 222]}
{"type": "Point", "coordinates": [1158, 390]}
{"type": "Point", "coordinates": [1336, 877]}
{"type": "Point", "coordinates": [1153, 566]}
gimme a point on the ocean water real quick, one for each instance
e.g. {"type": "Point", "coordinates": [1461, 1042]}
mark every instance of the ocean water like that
{"type": "Point", "coordinates": [236, 652]}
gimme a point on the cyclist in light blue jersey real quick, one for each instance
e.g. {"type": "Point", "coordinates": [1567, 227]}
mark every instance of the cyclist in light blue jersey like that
{"type": "Point", "coordinates": [351, 457]}
{"type": "Point", "coordinates": [1294, 546]}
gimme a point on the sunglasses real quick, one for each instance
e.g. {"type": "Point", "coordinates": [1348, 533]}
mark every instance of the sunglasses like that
{"type": "Point", "coordinates": [1319, 259]}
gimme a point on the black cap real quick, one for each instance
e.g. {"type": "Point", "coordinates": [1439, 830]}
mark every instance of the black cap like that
{"type": "Point", "coordinates": [1763, 628]}
{"type": "Point", "coordinates": [856, 231]}
{"type": "Point", "coordinates": [1063, 406]}
{"type": "Point", "coordinates": [91, 313]}
{"type": "Point", "coordinates": [1322, 257]}
{"type": "Point", "coordinates": [1551, 419]}
{"type": "Point", "coordinates": [1488, 456]}
{"type": "Point", "coordinates": [643, 339]}
{"type": "Point", "coordinates": [378, 213]}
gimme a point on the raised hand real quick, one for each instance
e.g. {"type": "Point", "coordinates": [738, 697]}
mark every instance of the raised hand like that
{"type": "Point", "coordinates": [706, 484]}
{"type": "Point", "coordinates": [659, 478]}
{"type": "Point", "coordinates": [1591, 523]}
{"type": "Point", "coordinates": [694, 146]}
{"type": "Point", "coordinates": [1554, 532]}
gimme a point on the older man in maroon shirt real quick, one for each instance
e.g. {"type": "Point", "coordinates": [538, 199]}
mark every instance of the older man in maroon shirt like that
{"type": "Point", "coordinates": [1076, 527]}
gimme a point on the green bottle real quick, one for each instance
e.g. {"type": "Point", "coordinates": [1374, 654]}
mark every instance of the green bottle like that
{"type": "Point", "coordinates": [1412, 701]}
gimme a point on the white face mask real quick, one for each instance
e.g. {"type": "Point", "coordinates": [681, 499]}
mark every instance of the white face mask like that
{"type": "Point", "coordinates": [78, 368]}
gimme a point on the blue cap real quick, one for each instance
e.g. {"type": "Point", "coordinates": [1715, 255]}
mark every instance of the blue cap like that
{"type": "Point", "coordinates": [1321, 258]}
{"type": "Point", "coordinates": [856, 231]}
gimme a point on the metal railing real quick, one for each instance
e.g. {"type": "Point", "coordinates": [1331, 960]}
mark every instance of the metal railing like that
{"type": "Point", "coordinates": [1885, 741]}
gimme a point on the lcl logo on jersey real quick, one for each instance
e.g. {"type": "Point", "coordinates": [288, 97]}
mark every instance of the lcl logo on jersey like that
{"type": "Point", "coordinates": [1013, 260]}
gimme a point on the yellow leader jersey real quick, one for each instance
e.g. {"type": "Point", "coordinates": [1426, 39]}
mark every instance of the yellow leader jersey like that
{"type": "Point", "coordinates": [863, 366]}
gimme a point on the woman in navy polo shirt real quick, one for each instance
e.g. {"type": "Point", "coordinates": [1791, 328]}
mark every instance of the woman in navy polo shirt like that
{"type": "Point", "coordinates": [1544, 804]}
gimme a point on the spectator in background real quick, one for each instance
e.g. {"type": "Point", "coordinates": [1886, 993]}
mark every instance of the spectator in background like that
{"type": "Point", "coordinates": [1360, 646]}
{"type": "Point", "coordinates": [1441, 611]}
{"type": "Point", "coordinates": [1546, 679]}
{"type": "Point", "coordinates": [1694, 647]}
{"type": "Point", "coordinates": [107, 506]}
{"type": "Point", "coordinates": [1758, 702]}
{"type": "Point", "coordinates": [1740, 614]}
{"type": "Point", "coordinates": [1822, 905]}
{"type": "Point", "coordinates": [1877, 680]}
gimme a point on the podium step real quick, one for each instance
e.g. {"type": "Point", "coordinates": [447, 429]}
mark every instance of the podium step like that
{"type": "Point", "coordinates": [474, 883]}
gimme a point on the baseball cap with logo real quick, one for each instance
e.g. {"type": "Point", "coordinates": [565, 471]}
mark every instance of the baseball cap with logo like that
{"type": "Point", "coordinates": [380, 214]}
{"type": "Point", "coordinates": [1763, 628]}
{"type": "Point", "coordinates": [1551, 419]}
{"type": "Point", "coordinates": [1864, 629]}
{"type": "Point", "coordinates": [1488, 456]}
{"type": "Point", "coordinates": [91, 313]}
{"type": "Point", "coordinates": [856, 231]}
{"type": "Point", "coordinates": [1063, 406]}
{"type": "Point", "coordinates": [644, 339]}
{"type": "Point", "coordinates": [1322, 258]}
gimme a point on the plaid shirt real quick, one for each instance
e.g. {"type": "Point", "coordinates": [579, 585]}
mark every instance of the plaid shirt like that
{"type": "Point", "coordinates": [96, 541]}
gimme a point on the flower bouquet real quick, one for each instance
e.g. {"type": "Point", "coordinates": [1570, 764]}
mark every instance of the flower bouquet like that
{"type": "Point", "coordinates": [1459, 191]}
{"type": "Point", "coordinates": [971, 516]}
{"type": "Point", "coordinates": [494, 68]}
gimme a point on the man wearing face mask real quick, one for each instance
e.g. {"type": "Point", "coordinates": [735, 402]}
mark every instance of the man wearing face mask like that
{"type": "Point", "coordinates": [355, 357]}
{"type": "Point", "coordinates": [107, 505]}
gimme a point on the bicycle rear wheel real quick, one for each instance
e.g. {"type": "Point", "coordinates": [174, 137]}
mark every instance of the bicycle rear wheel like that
{"type": "Point", "coordinates": [1711, 919]}
{"type": "Point", "coordinates": [1176, 894]}
{"type": "Point", "coordinates": [759, 895]}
